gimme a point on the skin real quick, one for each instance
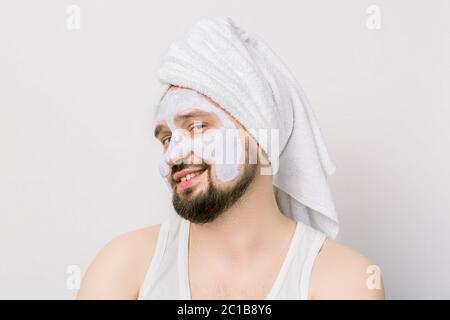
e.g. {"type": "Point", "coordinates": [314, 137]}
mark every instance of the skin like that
{"type": "Point", "coordinates": [236, 256]}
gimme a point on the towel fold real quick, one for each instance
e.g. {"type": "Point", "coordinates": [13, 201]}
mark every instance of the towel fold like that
{"type": "Point", "coordinates": [240, 72]}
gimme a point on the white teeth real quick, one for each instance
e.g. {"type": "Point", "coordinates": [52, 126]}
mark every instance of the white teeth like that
{"type": "Point", "coordinates": [189, 176]}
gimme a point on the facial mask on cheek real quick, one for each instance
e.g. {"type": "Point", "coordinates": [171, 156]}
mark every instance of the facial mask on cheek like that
{"type": "Point", "coordinates": [221, 147]}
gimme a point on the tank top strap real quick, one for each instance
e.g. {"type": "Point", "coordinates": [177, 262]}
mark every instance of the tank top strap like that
{"type": "Point", "coordinates": [311, 242]}
{"type": "Point", "coordinates": [168, 234]}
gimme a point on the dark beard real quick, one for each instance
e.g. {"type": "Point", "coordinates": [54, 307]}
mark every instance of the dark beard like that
{"type": "Point", "coordinates": [207, 206]}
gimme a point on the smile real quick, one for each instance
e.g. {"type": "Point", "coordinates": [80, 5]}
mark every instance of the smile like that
{"type": "Point", "coordinates": [190, 179]}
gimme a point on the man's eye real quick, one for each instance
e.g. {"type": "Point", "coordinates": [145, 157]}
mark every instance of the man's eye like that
{"type": "Point", "coordinates": [163, 141]}
{"type": "Point", "coordinates": [198, 126]}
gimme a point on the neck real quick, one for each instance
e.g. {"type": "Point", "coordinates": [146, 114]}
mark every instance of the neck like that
{"type": "Point", "coordinates": [254, 224]}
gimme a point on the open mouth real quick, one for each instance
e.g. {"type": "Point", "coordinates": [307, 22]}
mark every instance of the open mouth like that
{"type": "Point", "coordinates": [190, 179]}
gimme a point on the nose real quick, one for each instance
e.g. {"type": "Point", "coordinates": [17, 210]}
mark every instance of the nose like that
{"type": "Point", "coordinates": [179, 149]}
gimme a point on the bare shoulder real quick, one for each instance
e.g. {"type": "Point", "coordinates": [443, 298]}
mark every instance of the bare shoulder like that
{"type": "Point", "coordinates": [119, 268]}
{"type": "Point", "coordinates": [340, 272]}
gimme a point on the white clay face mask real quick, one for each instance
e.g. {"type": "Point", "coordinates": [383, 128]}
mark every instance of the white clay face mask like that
{"type": "Point", "coordinates": [220, 146]}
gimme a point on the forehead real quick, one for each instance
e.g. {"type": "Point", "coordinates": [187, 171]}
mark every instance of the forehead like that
{"type": "Point", "coordinates": [174, 88]}
{"type": "Point", "coordinates": [178, 103]}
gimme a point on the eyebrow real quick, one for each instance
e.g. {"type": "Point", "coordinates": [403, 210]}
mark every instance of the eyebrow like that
{"type": "Point", "coordinates": [158, 130]}
{"type": "Point", "coordinates": [192, 114]}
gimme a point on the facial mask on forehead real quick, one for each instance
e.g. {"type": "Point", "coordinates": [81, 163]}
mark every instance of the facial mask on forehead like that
{"type": "Point", "coordinates": [221, 146]}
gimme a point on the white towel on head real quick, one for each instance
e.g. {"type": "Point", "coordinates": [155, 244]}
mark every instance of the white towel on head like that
{"type": "Point", "coordinates": [242, 74]}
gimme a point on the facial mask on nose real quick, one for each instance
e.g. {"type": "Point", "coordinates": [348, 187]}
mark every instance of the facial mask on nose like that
{"type": "Point", "coordinates": [221, 146]}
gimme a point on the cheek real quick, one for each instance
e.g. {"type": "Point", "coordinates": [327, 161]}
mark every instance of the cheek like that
{"type": "Point", "coordinates": [228, 156]}
{"type": "Point", "coordinates": [164, 169]}
{"type": "Point", "coordinates": [225, 176]}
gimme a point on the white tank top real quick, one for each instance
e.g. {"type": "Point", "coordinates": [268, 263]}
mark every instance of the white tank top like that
{"type": "Point", "coordinates": [167, 275]}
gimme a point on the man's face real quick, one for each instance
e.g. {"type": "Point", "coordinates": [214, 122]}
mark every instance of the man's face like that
{"type": "Point", "coordinates": [189, 126]}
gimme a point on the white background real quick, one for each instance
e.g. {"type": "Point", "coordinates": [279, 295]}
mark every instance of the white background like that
{"type": "Point", "coordinates": [78, 163]}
